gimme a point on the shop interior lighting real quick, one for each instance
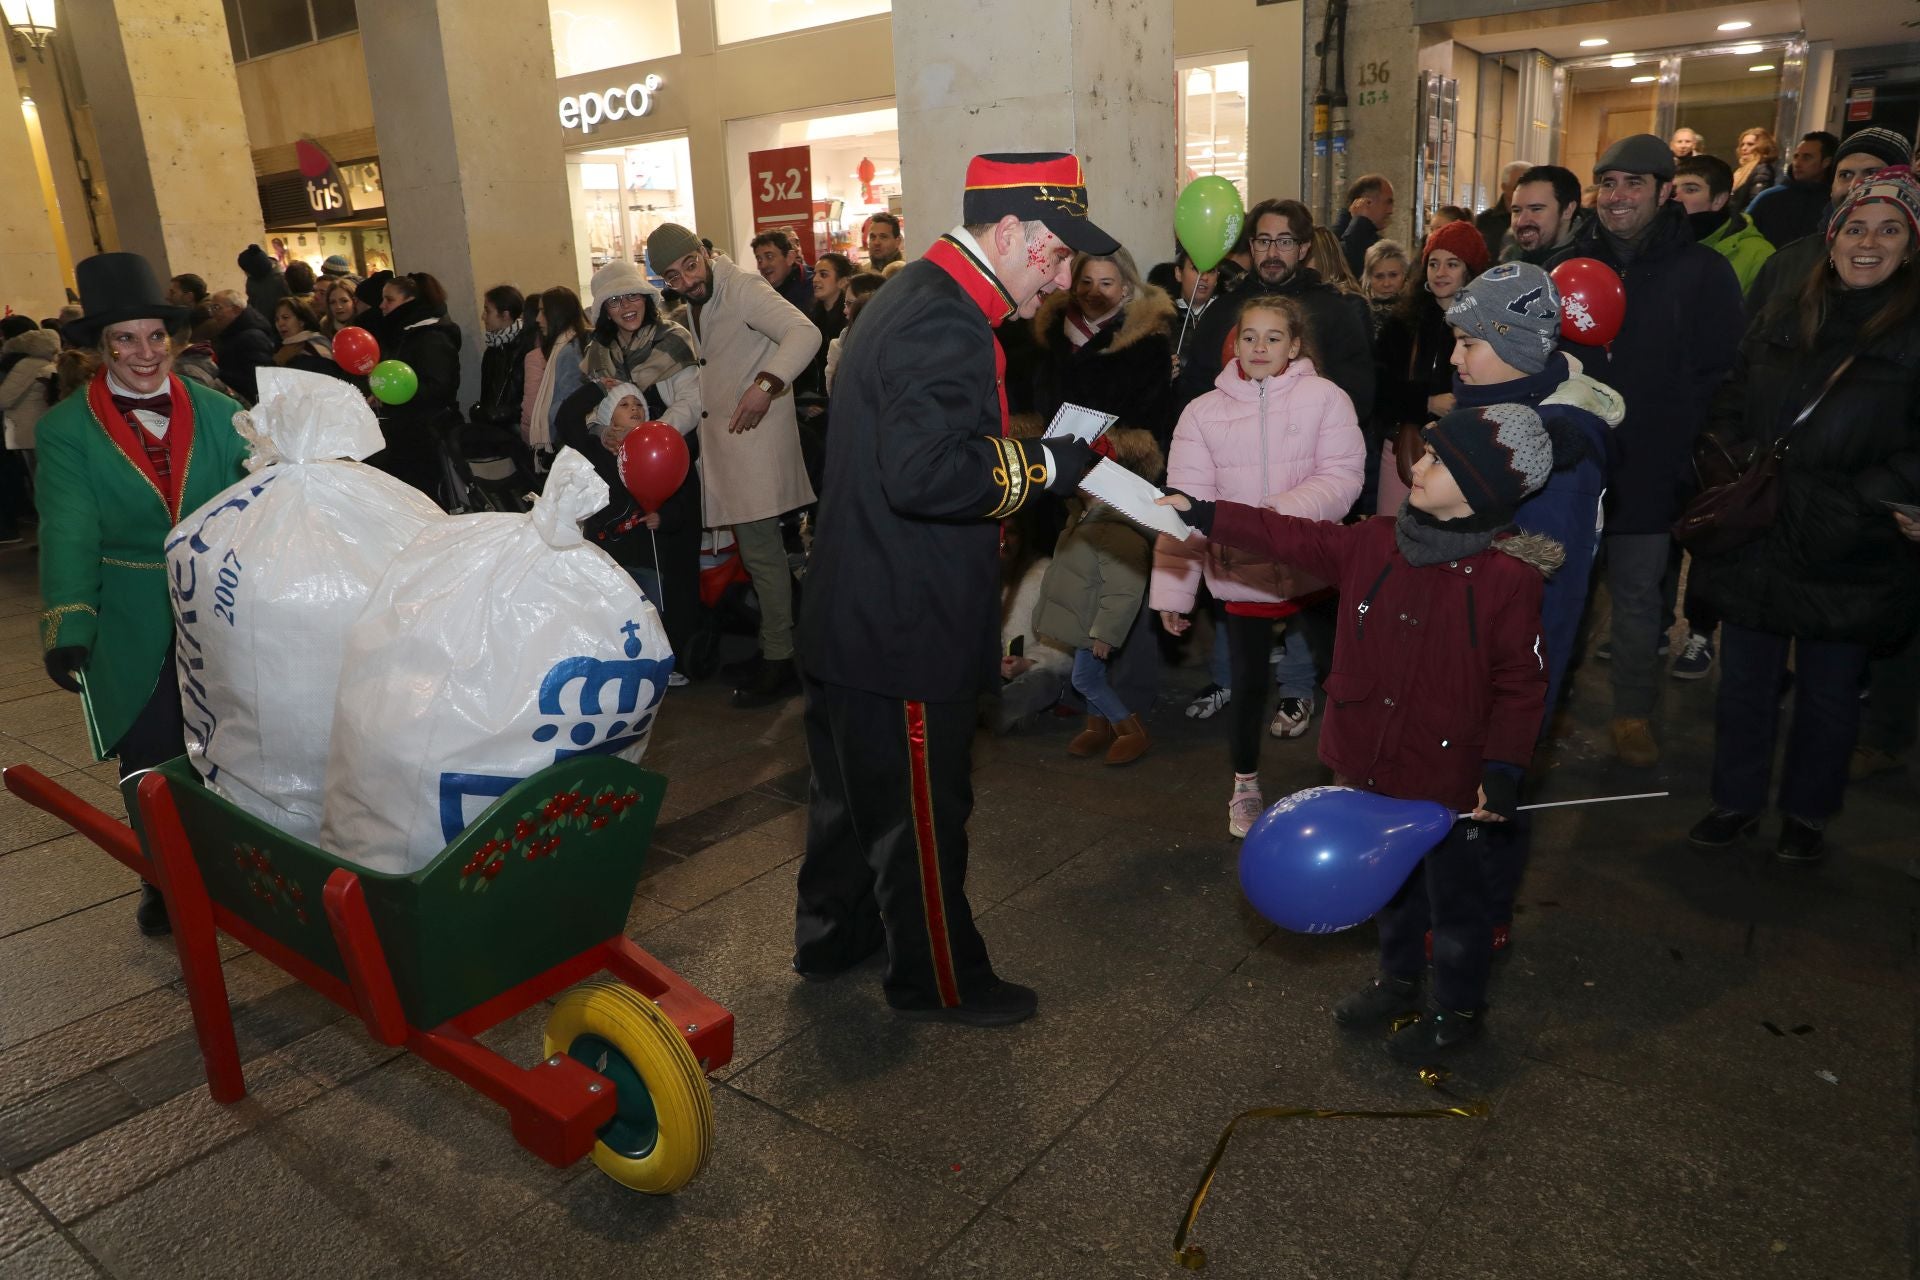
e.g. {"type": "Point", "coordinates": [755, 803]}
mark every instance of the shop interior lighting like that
{"type": "Point", "coordinates": [1765, 66]}
{"type": "Point", "coordinates": [1643, 79]}
{"type": "Point", "coordinates": [1593, 42]}
{"type": "Point", "coordinates": [1746, 48]}
{"type": "Point", "coordinates": [1621, 60]}
{"type": "Point", "coordinates": [1733, 26]}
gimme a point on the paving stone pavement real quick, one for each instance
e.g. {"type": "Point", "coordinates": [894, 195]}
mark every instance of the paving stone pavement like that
{"type": "Point", "coordinates": [1695, 1066]}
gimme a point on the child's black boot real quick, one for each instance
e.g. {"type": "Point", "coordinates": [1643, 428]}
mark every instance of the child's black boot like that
{"type": "Point", "coordinates": [1378, 1003]}
{"type": "Point", "coordinates": [1439, 1033]}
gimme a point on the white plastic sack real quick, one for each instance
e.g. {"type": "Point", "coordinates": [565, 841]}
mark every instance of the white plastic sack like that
{"type": "Point", "coordinates": [267, 577]}
{"type": "Point", "coordinates": [496, 646]}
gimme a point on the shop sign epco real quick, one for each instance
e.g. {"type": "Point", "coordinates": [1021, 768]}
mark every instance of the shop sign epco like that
{"type": "Point", "coordinates": [583, 111]}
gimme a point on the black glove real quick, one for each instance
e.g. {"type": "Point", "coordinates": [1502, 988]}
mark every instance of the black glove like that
{"type": "Point", "coordinates": [64, 665]}
{"type": "Point", "coordinates": [1501, 782]}
{"type": "Point", "coordinates": [1200, 514]}
{"type": "Point", "coordinates": [1072, 459]}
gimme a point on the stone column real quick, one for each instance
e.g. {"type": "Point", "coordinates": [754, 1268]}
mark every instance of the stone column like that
{"type": "Point", "coordinates": [30, 276]}
{"type": "Point", "coordinates": [1094, 77]}
{"type": "Point", "coordinates": [173, 139]}
{"type": "Point", "coordinates": [470, 149]}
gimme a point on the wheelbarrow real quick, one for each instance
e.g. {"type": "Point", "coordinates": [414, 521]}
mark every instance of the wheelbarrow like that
{"type": "Point", "coordinates": [529, 900]}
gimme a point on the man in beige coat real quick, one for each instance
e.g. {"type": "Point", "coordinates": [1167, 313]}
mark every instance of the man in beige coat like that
{"type": "Point", "coordinates": [752, 344]}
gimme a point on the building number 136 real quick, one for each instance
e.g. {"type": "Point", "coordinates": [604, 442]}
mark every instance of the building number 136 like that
{"type": "Point", "coordinates": [771, 191]}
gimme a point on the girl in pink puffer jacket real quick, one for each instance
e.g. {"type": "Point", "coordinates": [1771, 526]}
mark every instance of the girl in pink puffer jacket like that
{"type": "Point", "coordinates": [1271, 434]}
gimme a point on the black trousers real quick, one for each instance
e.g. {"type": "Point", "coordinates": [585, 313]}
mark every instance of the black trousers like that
{"type": "Point", "coordinates": [886, 857]}
{"type": "Point", "coordinates": [1447, 892]}
{"type": "Point", "coordinates": [1249, 644]}
{"type": "Point", "coordinates": [159, 732]}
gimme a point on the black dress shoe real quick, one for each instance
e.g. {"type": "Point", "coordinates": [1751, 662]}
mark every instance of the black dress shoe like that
{"type": "Point", "coordinates": [1378, 1003]}
{"type": "Point", "coordinates": [1438, 1033]}
{"type": "Point", "coordinates": [1801, 843]}
{"type": "Point", "coordinates": [151, 914]}
{"type": "Point", "coordinates": [1000, 1005]}
{"type": "Point", "coordinates": [743, 670]}
{"type": "Point", "coordinates": [1721, 827]}
{"type": "Point", "coordinates": [775, 681]}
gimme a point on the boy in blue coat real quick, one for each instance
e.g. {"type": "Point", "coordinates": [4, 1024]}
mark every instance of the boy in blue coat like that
{"type": "Point", "coordinates": [1504, 325]}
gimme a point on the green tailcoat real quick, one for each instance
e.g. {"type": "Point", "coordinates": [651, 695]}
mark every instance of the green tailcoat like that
{"type": "Point", "coordinates": [103, 524]}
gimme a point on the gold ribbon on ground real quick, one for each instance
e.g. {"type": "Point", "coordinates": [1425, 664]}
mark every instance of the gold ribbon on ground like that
{"type": "Point", "coordinates": [1193, 1257]}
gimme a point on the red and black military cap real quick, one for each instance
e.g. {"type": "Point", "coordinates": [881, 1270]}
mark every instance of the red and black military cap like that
{"type": "Point", "coordinates": [1035, 186]}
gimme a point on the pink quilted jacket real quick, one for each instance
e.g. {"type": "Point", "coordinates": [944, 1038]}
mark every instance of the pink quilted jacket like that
{"type": "Point", "coordinates": [1288, 443]}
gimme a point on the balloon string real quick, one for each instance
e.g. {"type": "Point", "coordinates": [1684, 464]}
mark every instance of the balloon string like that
{"type": "Point", "coordinates": [1561, 804]}
{"type": "Point", "coordinates": [1180, 347]}
{"type": "Point", "coordinates": [1193, 1257]}
{"type": "Point", "coordinates": [659, 573]}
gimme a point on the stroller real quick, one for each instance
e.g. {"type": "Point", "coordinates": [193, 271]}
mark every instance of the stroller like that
{"type": "Point", "coordinates": [484, 466]}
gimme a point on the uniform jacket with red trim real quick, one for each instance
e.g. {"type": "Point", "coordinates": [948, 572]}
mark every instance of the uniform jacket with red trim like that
{"type": "Point", "coordinates": [1437, 668]}
{"type": "Point", "coordinates": [902, 596]}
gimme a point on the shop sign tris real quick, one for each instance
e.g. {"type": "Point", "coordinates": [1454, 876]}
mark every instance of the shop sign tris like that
{"type": "Point", "coordinates": [584, 111]}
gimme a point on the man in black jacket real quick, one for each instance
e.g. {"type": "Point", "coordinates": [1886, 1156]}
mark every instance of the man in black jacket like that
{"type": "Point", "coordinates": [244, 342]}
{"type": "Point", "coordinates": [899, 631]}
{"type": "Point", "coordinates": [1280, 232]}
{"type": "Point", "coordinates": [1790, 210]}
{"type": "Point", "coordinates": [1682, 328]}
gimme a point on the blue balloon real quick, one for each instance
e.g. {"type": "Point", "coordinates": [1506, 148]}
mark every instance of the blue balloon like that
{"type": "Point", "coordinates": [1328, 858]}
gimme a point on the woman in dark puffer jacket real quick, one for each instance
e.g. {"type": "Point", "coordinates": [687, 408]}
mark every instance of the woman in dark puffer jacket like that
{"type": "Point", "coordinates": [1107, 344]}
{"type": "Point", "coordinates": [1832, 577]}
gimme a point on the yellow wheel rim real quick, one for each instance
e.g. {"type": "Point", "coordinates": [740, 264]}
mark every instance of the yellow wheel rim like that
{"type": "Point", "coordinates": [662, 1129]}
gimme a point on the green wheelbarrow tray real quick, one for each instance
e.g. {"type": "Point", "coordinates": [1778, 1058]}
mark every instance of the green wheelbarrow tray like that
{"type": "Point", "coordinates": [530, 899]}
{"type": "Point", "coordinates": [548, 869]}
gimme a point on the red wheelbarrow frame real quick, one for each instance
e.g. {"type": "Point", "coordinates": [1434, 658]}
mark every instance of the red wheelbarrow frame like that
{"type": "Point", "coordinates": [555, 1107]}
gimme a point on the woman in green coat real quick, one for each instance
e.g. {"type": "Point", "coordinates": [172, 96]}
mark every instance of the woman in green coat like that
{"type": "Point", "coordinates": [121, 461]}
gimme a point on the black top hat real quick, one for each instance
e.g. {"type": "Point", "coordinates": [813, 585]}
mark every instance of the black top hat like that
{"type": "Point", "coordinates": [116, 287]}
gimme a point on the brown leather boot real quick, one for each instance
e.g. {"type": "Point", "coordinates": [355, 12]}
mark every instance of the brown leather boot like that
{"type": "Point", "coordinates": [1094, 738]}
{"type": "Point", "coordinates": [1130, 743]}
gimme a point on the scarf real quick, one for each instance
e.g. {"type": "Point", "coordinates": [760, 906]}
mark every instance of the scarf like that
{"type": "Point", "coordinates": [503, 337]}
{"type": "Point", "coordinates": [540, 421]}
{"type": "Point", "coordinates": [1423, 540]}
{"type": "Point", "coordinates": [651, 356]}
{"type": "Point", "coordinates": [1081, 331]}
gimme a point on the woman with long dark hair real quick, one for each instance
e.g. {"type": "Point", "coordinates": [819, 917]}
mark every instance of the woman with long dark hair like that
{"type": "Point", "coordinates": [563, 352]}
{"type": "Point", "coordinates": [1413, 373]}
{"type": "Point", "coordinates": [414, 329]}
{"type": "Point", "coordinates": [1828, 379]}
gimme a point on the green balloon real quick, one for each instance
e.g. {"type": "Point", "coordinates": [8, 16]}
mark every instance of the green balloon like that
{"type": "Point", "coordinates": [393, 381]}
{"type": "Point", "coordinates": [1207, 219]}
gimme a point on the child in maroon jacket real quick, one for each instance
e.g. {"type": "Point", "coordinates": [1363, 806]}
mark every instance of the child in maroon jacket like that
{"type": "Point", "coordinates": [1438, 683]}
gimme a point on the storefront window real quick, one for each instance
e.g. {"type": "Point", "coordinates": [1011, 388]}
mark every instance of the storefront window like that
{"type": "Point", "coordinates": [620, 194]}
{"type": "Point", "coordinates": [592, 35]}
{"type": "Point", "coordinates": [1213, 118]}
{"type": "Point", "coordinates": [852, 156]}
{"type": "Point", "coordinates": [752, 19]}
{"type": "Point", "coordinates": [256, 28]}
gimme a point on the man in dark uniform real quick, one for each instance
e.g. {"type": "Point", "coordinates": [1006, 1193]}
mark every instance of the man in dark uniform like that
{"type": "Point", "coordinates": [899, 632]}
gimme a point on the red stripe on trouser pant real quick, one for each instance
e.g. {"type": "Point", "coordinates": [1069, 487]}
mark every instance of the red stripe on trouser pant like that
{"type": "Point", "coordinates": [932, 896]}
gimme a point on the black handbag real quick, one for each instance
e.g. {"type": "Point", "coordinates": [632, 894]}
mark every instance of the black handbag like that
{"type": "Point", "coordinates": [1726, 516]}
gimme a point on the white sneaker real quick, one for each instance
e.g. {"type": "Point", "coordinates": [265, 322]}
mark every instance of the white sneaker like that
{"type": "Point", "coordinates": [1243, 809]}
{"type": "Point", "coordinates": [677, 681]}
{"type": "Point", "coordinates": [1291, 718]}
{"type": "Point", "coordinates": [1207, 703]}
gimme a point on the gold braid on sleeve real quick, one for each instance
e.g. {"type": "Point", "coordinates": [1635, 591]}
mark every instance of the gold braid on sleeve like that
{"type": "Point", "coordinates": [1011, 475]}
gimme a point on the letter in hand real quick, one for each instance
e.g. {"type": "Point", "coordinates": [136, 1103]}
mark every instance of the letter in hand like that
{"type": "Point", "coordinates": [1072, 459]}
{"type": "Point", "coordinates": [1199, 513]}
{"type": "Point", "coordinates": [65, 664]}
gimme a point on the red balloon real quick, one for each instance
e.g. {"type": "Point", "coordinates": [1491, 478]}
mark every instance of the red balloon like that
{"type": "Point", "coordinates": [355, 350]}
{"type": "Point", "coordinates": [653, 464]}
{"type": "Point", "coordinates": [1592, 301]}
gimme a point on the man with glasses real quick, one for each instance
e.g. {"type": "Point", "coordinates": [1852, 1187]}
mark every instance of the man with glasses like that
{"type": "Point", "coordinates": [1278, 233]}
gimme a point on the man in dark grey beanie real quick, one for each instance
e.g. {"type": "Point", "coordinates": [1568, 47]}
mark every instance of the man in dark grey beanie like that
{"type": "Point", "coordinates": [1682, 328]}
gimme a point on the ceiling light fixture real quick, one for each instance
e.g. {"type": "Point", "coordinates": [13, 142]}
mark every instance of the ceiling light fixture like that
{"type": "Point", "coordinates": [1621, 60]}
{"type": "Point", "coordinates": [1733, 26]}
{"type": "Point", "coordinates": [1765, 66]}
{"type": "Point", "coordinates": [1746, 48]}
{"type": "Point", "coordinates": [1593, 42]}
{"type": "Point", "coordinates": [1643, 79]}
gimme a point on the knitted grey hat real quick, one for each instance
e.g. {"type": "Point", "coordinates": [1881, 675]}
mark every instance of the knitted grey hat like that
{"type": "Point", "coordinates": [1638, 153]}
{"type": "Point", "coordinates": [1499, 454]}
{"type": "Point", "coordinates": [668, 243]}
{"type": "Point", "coordinates": [1515, 309]}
